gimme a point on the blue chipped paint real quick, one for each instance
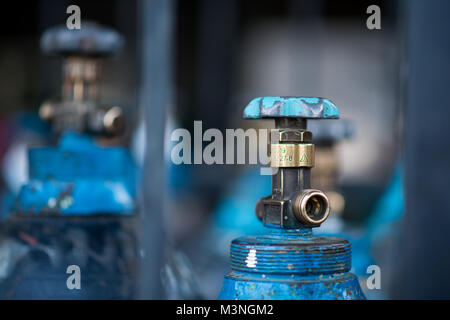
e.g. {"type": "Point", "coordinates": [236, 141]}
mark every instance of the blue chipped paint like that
{"type": "Point", "coordinates": [311, 100]}
{"type": "Point", "coordinates": [268, 102]}
{"type": "Point", "coordinates": [244, 286]}
{"type": "Point", "coordinates": [78, 178]}
{"type": "Point", "coordinates": [295, 107]}
{"type": "Point", "coordinates": [290, 265]}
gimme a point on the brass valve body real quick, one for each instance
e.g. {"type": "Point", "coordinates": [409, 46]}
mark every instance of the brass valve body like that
{"type": "Point", "coordinates": [293, 203]}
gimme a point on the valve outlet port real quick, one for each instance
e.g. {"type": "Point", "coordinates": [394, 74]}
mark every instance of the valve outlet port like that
{"type": "Point", "coordinates": [311, 207]}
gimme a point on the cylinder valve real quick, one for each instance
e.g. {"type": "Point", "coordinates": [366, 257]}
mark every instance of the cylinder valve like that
{"type": "Point", "coordinates": [83, 52]}
{"type": "Point", "coordinates": [292, 204]}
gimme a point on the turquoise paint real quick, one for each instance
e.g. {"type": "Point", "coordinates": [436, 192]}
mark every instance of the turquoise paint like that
{"type": "Point", "coordinates": [298, 107]}
{"type": "Point", "coordinates": [252, 109]}
{"type": "Point", "coordinates": [311, 99]}
{"type": "Point", "coordinates": [268, 102]}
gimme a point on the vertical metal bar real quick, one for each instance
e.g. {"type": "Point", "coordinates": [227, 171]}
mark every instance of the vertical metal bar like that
{"type": "Point", "coordinates": [156, 21]}
{"type": "Point", "coordinates": [423, 264]}
{"type": "Point", "coordinates": [216, 28]}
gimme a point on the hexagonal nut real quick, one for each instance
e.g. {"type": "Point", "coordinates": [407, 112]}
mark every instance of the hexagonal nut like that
{"type": "Point", "coordinates": [291, 135]}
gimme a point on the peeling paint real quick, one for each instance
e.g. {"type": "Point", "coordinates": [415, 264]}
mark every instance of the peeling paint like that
{"type": "Point", "coordinates": [297, 107]}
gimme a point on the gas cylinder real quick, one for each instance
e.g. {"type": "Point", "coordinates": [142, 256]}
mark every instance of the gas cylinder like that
{"type": "Point", "coordinates": [290, 262]}
{"type": "Point", "coordinates": [72, 217]}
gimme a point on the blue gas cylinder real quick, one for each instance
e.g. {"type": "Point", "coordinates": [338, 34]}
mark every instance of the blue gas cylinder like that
{"type": "Point", "coordinates": [75, 213]}
{"type": "Point", "coordinates": [78, 178]}
{"type": "Point", "coordinates": [290, 263]}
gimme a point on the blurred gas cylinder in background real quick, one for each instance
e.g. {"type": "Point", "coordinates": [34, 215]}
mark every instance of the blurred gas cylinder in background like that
{"type": "Point", "coordinates": [72, 220]}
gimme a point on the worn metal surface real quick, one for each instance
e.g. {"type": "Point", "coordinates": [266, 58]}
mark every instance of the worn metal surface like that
{"type": "Point", "coordinates": [294, 107]}
{"type": "Point", "coordinates": [251, 286]}
{"type": "Point", "coordinates": [290, 265]}
{"type": "Point", "coordinates": [294, 252]}
{"type": "Point", "coordinates": [78, 177]}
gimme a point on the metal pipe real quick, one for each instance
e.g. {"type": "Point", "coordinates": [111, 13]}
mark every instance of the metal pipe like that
{"type": "Point", "coordinates": [156, 22]}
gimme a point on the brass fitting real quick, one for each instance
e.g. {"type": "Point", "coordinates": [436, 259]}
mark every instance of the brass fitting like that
{"type": "Point", "coordinates": [292, 155]}
{"type": "Point", "coordinates": [291, 148]}
{"type": "Point", "coordinates": [311, 207]}
{"type": "Point", "coordinates": [291, 135]}
{"type": "Point", "coordinates": [292, 203]}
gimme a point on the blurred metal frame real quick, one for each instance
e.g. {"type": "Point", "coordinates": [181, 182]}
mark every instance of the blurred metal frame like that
{"type": "Point", "coordinates": [156, 22]}
{"type": "Point", "coordinates": [423, 263]}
